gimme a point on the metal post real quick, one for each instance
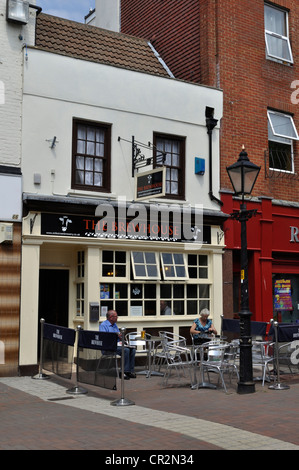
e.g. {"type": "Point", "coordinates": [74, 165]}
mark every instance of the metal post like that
{"type": "Point", "coordinates": [122, 401]}
{"type": "Point", "coordinates": [40, 375]}
{"type": "Point", "coordinates": [76, 390]}
{"type": "Point", "coordinates": [245, 384]}
{"type": "Point", "coordinates": [277, 385]}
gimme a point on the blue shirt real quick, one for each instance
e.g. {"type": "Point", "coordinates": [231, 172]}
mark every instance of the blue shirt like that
{"type": "Point", "coordinates": [108, 327]}
{"type": "Point", "coordinates": [202, 328]}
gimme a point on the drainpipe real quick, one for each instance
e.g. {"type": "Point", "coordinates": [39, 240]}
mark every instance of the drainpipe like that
{"type": "Point", "coordinates": [38, 9]}
{"type": "Point", "coordinates": [211, 123]}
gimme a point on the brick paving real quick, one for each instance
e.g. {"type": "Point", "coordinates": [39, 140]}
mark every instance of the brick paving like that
{"type": "Point", "coordinates": [40, 415]}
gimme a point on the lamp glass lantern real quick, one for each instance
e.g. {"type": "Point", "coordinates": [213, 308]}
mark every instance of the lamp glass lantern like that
{"type": "Point", "coordinates": [17, 11]}
{"type": "Point", "coordinates": [243, 174]}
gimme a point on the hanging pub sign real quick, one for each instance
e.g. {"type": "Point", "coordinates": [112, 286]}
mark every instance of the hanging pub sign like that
{"type": "Point", "coordinates": [150, 184]}
{"type": "Point", "coordinates": [283, 295]}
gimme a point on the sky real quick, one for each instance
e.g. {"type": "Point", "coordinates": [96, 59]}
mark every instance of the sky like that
{"type": "Point", "coordinates": [74, 10]}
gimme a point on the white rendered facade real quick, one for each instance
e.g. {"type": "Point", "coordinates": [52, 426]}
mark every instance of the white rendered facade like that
{"type": "Point", "coordinates": [57, 91]}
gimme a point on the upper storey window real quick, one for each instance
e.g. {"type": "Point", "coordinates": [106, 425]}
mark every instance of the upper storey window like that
{"type": "Point", "coordinates": [173, 148]}
{"type": "Point", "coordinates": [281, 134]}
{"type": "Point", "coordinates": [277, 34]}
{"type": "Point", "coordinates": [91, 156]}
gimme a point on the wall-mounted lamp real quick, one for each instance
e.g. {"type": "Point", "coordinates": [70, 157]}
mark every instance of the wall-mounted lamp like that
{"type": "Point", "coordinates": [17, 11]}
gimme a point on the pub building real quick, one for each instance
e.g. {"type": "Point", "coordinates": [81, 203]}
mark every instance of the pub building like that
{"type": "Point", "coordinates": [94, 236]}
{"type": "Point", "coordinates": [81, 273]}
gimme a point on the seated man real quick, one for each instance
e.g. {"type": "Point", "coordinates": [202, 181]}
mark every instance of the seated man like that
{"type": "Point", "coordinates": [110, 326]}
{"type": "Point", "coordinates": [164, 309]}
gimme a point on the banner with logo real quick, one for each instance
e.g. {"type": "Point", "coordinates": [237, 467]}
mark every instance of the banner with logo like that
{"type": "Point", "coordinates": [58, 349]}
{"type": "Point", "coordinates": [97, 358]}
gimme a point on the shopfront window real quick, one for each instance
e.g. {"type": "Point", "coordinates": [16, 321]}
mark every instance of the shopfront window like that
{"type": "Point", "coordinates": [145, 265]}
{"type": "Point", "coordinates": [174, 266]}
{"type": "Point", "coordinates": [114, 263]}
{"type": "Point", "coordinates": [142, 290]}
{"type": "Point", "coordinates": [286, 297]}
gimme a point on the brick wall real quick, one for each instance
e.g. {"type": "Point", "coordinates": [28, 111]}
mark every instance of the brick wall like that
{"type": "Point", "coordinates": [226, 42]}
{"type": "Point", "coordinates": [172, 27]}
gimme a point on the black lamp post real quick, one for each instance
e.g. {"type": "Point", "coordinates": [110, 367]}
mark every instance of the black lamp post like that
{"type": "Point", "coordinates": [243, 175]}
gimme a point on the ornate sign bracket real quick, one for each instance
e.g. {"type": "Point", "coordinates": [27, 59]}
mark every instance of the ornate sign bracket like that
{"type": "Point", "coordinates": [139, 159]}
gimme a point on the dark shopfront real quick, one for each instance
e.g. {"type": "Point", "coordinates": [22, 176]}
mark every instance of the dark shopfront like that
{"type": "Point", "coordinates": [273, 258]}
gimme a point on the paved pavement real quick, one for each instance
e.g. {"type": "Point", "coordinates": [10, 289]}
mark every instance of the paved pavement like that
{"type": "Point", "coordinates": [41, 415]}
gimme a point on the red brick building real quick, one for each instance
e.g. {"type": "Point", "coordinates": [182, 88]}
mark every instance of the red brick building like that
{"type": "Point", "coordinates": [249, 49]}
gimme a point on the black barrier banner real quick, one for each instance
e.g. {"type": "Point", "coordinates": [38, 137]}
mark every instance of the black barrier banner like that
{"type": "Point", "coordinates": [98, 340]}
{"type": "Point", "coordinates": [59, 334]}
{"type": "Point", "coordinates": [97, 358]}
{"type": "Point", "coordinates": [58, 349]}
{"type": "Point", "coordinates": [286, 332]}
{"type": "Point", "coordinates": [257, 328]}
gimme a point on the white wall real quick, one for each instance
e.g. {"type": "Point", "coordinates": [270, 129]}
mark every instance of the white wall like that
{"type": "Point", "coordinates": [58, 88]}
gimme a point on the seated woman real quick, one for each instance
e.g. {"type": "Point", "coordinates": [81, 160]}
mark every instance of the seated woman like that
{"type": "Point", "coordinates": [202, 326]}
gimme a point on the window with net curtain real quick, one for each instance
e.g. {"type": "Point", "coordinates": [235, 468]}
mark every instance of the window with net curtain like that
{"type": "Point", "coordinates": [277, 34]}
{"type": "Point", "coordinates": [172, 148]}
{"type": "Point", "coordinates": [91, 156]}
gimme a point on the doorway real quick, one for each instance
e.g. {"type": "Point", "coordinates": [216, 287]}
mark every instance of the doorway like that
{"type": "Point", "coordinates": [54, 296]}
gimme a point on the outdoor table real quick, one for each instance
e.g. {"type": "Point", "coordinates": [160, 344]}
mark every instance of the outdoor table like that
{"type": "Point", "coordinates": [150, 340]}
{"type": "Point", "coordinates": [202, 384]}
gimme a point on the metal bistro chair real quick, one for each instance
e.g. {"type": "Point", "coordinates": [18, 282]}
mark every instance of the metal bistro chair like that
{"type": "Point", "coordinates": [159, 355]}
{"type": "Point", "coordinates": [214, 359]}
{"type": "Point", "coordinates": [140, 344]}
{"type": "Point", "coordinates": [262, 356]}
{"type": "Point", "coordinates": [230, 357]}
{"type": "Point", "coordinates": [177, 358]}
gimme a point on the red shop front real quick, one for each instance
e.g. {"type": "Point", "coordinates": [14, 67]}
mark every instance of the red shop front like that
{"type": "Point", "coordinates": [273, 258]}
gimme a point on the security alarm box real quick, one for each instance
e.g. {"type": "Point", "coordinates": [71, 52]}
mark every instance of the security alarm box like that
{"type": "Point", "coordinates": [199, 166]}
{"type": "Point", "coordinates": [6, 233]}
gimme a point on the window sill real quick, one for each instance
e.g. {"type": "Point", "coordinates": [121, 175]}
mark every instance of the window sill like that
{"type": "Point", "coordinates": [280, 61]}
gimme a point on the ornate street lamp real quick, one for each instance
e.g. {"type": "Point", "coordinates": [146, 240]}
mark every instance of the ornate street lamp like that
{"type": "Point", "coordinates": [243, 175]}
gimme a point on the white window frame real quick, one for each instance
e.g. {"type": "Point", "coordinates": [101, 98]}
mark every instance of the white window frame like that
{"type": "Point", "coordinates": [282, 138]}
{"type": "Point", "coordinates": [164, 265]}
{"type": "Point", "coordinates": [275, 132]}
{"type": "Point", "coordinates": [144, 263]}
{"type": "Point", "coordinates": [284, 39]}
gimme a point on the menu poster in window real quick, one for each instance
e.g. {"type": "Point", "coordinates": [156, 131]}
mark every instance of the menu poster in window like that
{"type": "Point", "coordinates": [136, 311]}
{"type": "Point", "coordinates": [104, 291]}
{"type": "Point", "coordinates": [283, 295]}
